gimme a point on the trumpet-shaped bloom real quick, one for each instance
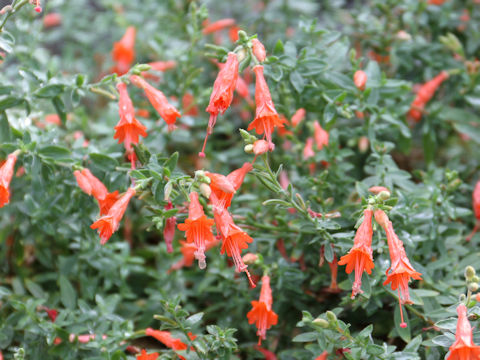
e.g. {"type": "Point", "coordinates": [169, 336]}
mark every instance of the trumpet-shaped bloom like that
{"type": "Point", "coordinates": [6, 174]}
{"type": "Point", "coordinates": [425, 94]}
{"type": "Point", "coordinates": [224, 187]}
{"type": "Point", "coordinates": [158, 100]}
{"type": "Point", "coordinates": [166, 339]}
{"type": "Point", "coordinates": [476, 200]}
{"type": "Point", "coordinates": [266, 116]}
{"type": "Point", "coordinates": [360, 258]}
{"type": "Point", "coordinates": [222, 94]}
{"type": "Point", "coordinates": [124, 51]}
{"type": "Point", "coordinates": [320, 135]}
{"type": "Point", "coordinates": [93, 186]}
{"type": "Point", "coordinates": [128, 129]}
{"type": "Point", "coordinates": [476, 209]}
{"type": "Point", "coordinates": [258, 50]}
{"type": "Point", "coordinates": [145, 356]}
{"type": "Point", "coordinates": [198, 229]}
{"type": "Point", "coordinates": [262, 314]}
{"type": "Point", "coordinates": [234, 239]}
{"type": "Point", "coordinates": [188, 251]}
{"type": "Point", "coordinates": [298, 117]}
{"type": "Point", "coordinates": [218, 25]}
{"type": "Point", "coordinates": [110, 222]}
{"type": "Point", "coordinates": [463, 348]}
{"type": "Point", "coordinates": [169, 228]}
{"type": "Point", "coordinates": [400, 271]}
{"type": "Point", "coordinates": [322, 356]}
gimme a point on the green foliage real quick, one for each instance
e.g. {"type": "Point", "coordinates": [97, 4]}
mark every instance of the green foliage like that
{"type": "Point", "coordinates": [53, 259]}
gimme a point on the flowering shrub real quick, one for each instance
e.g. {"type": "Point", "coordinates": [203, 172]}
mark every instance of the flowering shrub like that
{"type": "Point", "coordinates": [332, 213]}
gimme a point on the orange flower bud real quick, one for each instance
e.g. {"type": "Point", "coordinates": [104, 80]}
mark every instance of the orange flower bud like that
{"type": "Point", "coordinates": [360, 79]}
{"type": "Point", "coordinates": [258, 50]}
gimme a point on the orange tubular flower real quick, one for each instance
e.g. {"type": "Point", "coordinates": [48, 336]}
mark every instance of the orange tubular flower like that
{"type": "Point", "coordinates": [188, 251]}
{"type": "Point", "coordinates": [162, 65]}
{"type": "Point", "coordinates": [198, 229]}
{"type": "Point", "coordinates": [463, 348]}
{"type": "Point", "coordinates": [262, 314]}
{"type": "Point", "coordinates": [476, 209]}
{"type": "Point", "coordinates": [258, 50]}
{"type": "Point", "coordinates": [425, 94]}
{"type": "Point", "coordinates": [93, 186]}
{"type": "Point", "coordinates": [224, 187]}
{"type": "Point", "coordinates": [218, 25]}
{"type": "Point", "coordinates": [360, 79]}
{"type": "Point", "coordinates": [360, 258]}
{"type": "Point", "coordinates": [6, 174]}
{"type": "Point", "coordinates": [145, 356]}
{"type": "Point", "coordinates": [166, 338]}
{"type": "Point", "coordinates": [51, 20]}
{"type": "Point", "coordinates": [234, 239]}
{"type": "Point", "coordinates": [128, 129]}
{"type": "Point", "coordinates": [222, 94]}
{"type": "Point", "coordinates": [298, 117]}
{"type": "Point", "coordinates": [169, 228]}
{"type": "Point", "coordinates": [167, 111]}
{"type": "Point", "coordinates": [400, 271]}
{"type": "Point", "coordinates": [308, 149]}
{"type": "Point", "coordinates": [321, 136]}
{"type": "Point", "coordinates": [266, 117]}
{"type": "Point", "coordinates": [110, 223]}
{"type": "Point", "coordinates": [322, 356]}
{"type": "Point", "coordinates": [124, 51]}
{"type": "Point", "coordinates": [260, 147]}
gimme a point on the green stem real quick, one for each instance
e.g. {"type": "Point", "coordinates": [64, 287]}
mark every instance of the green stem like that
{"type": "Point", "coordinates": [16, 7]}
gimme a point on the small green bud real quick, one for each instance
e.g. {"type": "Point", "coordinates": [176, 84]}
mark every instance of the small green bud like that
{"type": "Point", "coordinates": [205, 190]}
{"type": "Point", "coordinates": [321, 322]}
{"type": "Point", "coordinates": [242, 35]}
{"type": "Point", "coordinates": [469, 273]}
{"type": "Point", "coordinates": [473, 286]}
{"type": "Point", "coordinates": [248, 148]}
{"type": "Point", "coordinates": [476, 279]}
{"type": "Point", "coordinates": [384, 195]}
{"type": "Point", "coordinates": [331, 316]}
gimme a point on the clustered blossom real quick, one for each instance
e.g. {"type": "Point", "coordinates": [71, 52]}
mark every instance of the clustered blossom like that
{"type": "Point", "coordinates": [123, 53]}
{"type": "Point", "coordinates": [6, 174]}
{"type": "Point", "coordinates": [262, 314]}
{"type": "Point", "coordinates": [158, 100]}
{"type": "Point", "coordinates": [94, 187]}
{"type": "Point", "coordinates": [463, 348]}
{"type": "Point", "coordinates": [360, 259]}
{"type": "Point", "coordinates": [222, 94]}
{"type": "Point", "coordinates": [109, 223]}
{"type": "Point", "coordinates": [266, 116]}
{"type": "Point", "coordinates": [476, 209]}
{"type": "Point", "coordinates": [424, 94]}
{"type": "Point", "coordinates": [198, 229]}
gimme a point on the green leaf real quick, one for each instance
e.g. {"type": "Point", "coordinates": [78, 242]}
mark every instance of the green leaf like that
{"type": "Point", "coordinates": [49, 91]}
{"type": "Point", "coordinates": [104, 161]}
{"type": "Point", "coordinates": [195, 318]}
{"type": "Point", "coordinates": [10, 102]}
{"type": "Point", "coordinates": [54, 152]}
{"type": "Point", "coordinates": [171, 163]}
{"type": "Point", "coordinates": [35, 289]}
{"type": "Point", "coordinates": [328, 253]}
{"type": "Point", "coordinates": [306, 337]}
{"type": "Point", "coordinates": [68, 296]}
{"type": "Point", "coordinates": [405, 333]}
{"type": "Point", "coordinates": [373, 349]}
{"type": "Point", "coordinates": [297, 81]}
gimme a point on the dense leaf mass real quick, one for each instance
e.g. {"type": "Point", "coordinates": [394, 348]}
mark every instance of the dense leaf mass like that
{"type": "Point", "coordinates": [333, 213]}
